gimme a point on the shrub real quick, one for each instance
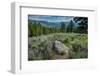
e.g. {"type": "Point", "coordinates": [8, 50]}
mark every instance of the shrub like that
{"type": "Point", "coordinates": [42, 46]}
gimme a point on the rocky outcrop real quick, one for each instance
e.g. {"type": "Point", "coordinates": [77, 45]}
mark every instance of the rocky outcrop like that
{"type": "Point", "coordinates": [61, 49]}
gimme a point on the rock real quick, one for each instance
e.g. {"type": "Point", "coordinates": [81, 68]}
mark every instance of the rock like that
{"type": "Point", "coordinates": [61, 48]}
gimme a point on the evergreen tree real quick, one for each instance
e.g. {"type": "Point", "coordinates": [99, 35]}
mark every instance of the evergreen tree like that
{"type": "Point", "coordinates": [83, 24]}
{"type": "Point", "coordinates": [70, 26]}
{"type": "Point", "coordinates": [63, 27]}
{"type": "Point", "coordinates": [30, 32]}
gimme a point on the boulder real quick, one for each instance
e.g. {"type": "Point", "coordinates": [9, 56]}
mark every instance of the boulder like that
{"type": "Point", "coordinates": [61, 49]}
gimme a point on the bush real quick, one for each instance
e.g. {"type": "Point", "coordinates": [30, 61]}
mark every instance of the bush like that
{"type": "Point", "coordinates": [42, 46]}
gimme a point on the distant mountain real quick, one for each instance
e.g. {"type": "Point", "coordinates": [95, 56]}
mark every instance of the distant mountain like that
{"type": "Point", "coordinates": [49, 24]}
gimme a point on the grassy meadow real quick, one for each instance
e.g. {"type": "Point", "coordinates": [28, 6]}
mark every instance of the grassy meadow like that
{"type": "Point", "coordinates": [71, 37]}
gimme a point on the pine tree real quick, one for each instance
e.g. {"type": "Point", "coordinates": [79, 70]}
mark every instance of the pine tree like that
{"type": "Point", "coordinates": [70, 26]}
{"type": "Point", "coordinates": [63, 27]}
{"type": "Point", "coordinates": [83, 24]}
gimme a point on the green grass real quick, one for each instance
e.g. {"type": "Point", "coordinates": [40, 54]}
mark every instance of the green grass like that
{"type": "Point", "coordinates": [78, 44]}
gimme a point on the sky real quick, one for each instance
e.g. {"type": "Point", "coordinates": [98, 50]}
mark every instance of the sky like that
{"type": "Point", "coordinates": [50, 18]}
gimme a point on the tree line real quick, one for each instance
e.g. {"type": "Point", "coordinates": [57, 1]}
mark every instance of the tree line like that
{"type": "Point", "coordinates": [36, 28]}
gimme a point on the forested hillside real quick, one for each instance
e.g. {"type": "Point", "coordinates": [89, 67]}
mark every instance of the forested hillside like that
{"type": "Point", "coordinates": [79, 25]}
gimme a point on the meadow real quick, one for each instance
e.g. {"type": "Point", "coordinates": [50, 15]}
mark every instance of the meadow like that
{"type": "Point", "coordinates": [42, 46]}
{"type": "Point", "coordinates": [65, 42]}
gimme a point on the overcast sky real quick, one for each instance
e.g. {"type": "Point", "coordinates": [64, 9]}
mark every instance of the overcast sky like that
{"type": "Point", "coordinates": [50, 18]}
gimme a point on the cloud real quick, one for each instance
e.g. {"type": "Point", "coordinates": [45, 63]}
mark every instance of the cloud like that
{"type": "Point", "coordinates": [50, 18]}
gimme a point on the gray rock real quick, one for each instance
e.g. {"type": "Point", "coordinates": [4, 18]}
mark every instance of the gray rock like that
{"type": "Point", "coordinates": [61, 48]}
